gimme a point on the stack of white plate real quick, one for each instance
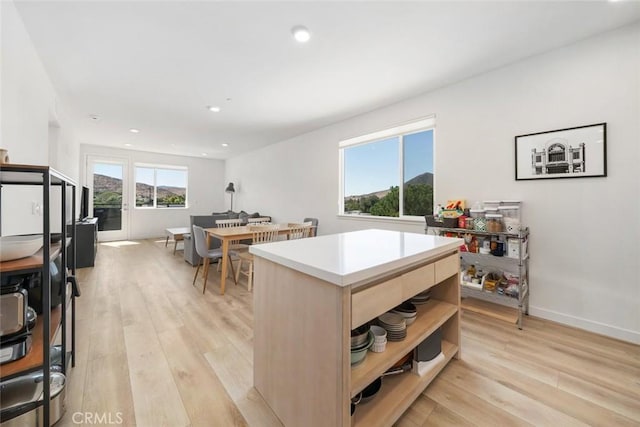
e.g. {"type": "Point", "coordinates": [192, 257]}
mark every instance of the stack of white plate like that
{"type": "Point", "coordinates": [406, 310]}
{"type": "Point", "coordinates": [421, 298]}
{"type": "Point", "coordinates": [395, 325]}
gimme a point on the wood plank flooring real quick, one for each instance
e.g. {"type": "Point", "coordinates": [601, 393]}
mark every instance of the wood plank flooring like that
{"type": "Point", "coordinates": [154, 351]}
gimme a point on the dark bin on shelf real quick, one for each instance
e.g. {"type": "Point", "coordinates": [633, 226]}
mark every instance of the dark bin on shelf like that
{"type": "Point", "coordinates": [450, 222]}
{"type": "Point", "coordinates": [431, 221]}
{"type": "Point", "coordinates": [430, 347]}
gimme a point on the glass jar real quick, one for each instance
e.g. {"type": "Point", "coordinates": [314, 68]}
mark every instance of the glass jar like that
{"type": "Point", "coordinates": [468, 223]}
{"type": "Point", "coordinates": [494, 223]}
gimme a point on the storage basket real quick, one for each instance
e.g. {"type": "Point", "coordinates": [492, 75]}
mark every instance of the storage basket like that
{"type": "Point", "coordinates": [431, 221]}
{"type": "Point", "coordinates": [450, 222]}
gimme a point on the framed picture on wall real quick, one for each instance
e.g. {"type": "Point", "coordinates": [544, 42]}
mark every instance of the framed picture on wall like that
{"type": "Point", "coordinates": [577, 152]}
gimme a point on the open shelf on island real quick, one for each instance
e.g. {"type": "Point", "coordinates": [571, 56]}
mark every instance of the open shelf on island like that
{"type": "Point", "coordinates": [430, 317]}
{"type": "Point", "coordinates": [398, 393]}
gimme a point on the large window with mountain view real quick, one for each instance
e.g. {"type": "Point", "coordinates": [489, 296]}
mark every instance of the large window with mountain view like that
{"type": "Point", "coordinates": [389, 173]}
{"type": "Point", "coordinates": [161, 187]}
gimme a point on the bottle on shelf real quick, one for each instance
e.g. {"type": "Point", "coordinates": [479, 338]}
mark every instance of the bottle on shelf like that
{"type": "Point", "coordinates": [439, 211]}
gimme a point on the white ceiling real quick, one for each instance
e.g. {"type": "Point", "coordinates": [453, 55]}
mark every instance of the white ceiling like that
{"type": "Point", "coordinates": [155, 65]}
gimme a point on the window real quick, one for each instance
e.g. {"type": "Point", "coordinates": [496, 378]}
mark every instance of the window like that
{"type": "Point", "coordinates": [161, 187]}
{"type": "Point", "coordinates": [389, 173]}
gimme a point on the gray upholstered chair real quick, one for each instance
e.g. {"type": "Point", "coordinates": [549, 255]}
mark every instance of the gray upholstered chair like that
{"type": "Point", "coordinates": [314, 228]}
{"type": "Point", "coordinates": [204, 252]}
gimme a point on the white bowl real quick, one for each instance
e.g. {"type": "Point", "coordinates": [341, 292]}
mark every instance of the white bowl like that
{"type": "Point", "coordinates": [379, 333]}
{"type": "Point", "coordinates": [378, 347]}
{"type": "Point", "coordinates": [14, 247]}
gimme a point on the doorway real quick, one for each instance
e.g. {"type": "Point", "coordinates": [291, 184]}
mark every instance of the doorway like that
{"type": "Point", "coordinates": [108, 179]}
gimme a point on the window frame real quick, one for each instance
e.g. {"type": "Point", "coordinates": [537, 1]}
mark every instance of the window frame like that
{"type": "Point", "coordinates": [155, 168]}
{"type": "Point", "coordinates": [398, 131]}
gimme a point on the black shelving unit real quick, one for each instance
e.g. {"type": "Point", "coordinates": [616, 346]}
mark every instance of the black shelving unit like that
{"type": "Point", "coordinates": [47, 178]}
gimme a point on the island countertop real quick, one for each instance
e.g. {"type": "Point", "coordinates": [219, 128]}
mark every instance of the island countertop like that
{"type": "Point", "coordinates": [347, 259]}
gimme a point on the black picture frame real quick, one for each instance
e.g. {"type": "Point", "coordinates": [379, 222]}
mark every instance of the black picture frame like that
{"type": "Point", "coordinates": [577, 152]}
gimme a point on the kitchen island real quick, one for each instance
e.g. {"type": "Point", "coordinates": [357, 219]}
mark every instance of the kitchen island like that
{"type": "Point", "coordinates": [310, 293]}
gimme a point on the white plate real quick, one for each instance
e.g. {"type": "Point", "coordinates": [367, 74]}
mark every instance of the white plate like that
{"type": "Point", "coordinates": [15, 247]}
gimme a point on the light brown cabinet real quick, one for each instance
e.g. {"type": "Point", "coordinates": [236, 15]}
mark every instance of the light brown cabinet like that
{"type": "Point", "coordinates": [302, 339]}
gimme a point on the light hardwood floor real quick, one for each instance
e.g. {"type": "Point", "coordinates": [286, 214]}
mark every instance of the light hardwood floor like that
{"type": "Point", "coordinates": [152, 350]}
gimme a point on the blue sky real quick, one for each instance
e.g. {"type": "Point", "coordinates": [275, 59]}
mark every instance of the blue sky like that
{"type": "Point", "coordinates": [108, 169]}
{"type": "Point", "coordinates": [165, 177]}
{"type": "Point", "coordinates": [383, 158]}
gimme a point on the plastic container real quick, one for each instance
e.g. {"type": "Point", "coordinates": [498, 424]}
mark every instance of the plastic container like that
{"type": "Point", "coordinates": [477, 213]}
{"type": "Point", "coordinates": [491, 211]}
{"type": "Point", "coordinates": [494, 223]}
{"type": "Point", "coordinates": [511, 217]}
{"type": "Point", "coordinates": [510, 211]}
{"type": "Point", "coordinates": [491, 204]}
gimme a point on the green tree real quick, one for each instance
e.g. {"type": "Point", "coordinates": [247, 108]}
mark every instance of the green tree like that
{"type": "Point", "coordinates": [351, 204]}
{"type": "Point", "coordinates": [418, 199]}
{"type": "Point", "coordinates": [366, 203]}
{"type": "Point", "coordinates": [389, 205]}
{"type": "Point", "coordinates": [172, 200]}
{"type": "Point", "coordinates": [107, 199]}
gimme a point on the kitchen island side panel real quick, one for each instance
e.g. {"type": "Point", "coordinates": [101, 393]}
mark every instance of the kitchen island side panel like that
{"type": "Point", "coordinates": [301, 345]}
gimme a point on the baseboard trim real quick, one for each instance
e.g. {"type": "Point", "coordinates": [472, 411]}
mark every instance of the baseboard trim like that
{"type": "Point", "coordinates": [588, 325]}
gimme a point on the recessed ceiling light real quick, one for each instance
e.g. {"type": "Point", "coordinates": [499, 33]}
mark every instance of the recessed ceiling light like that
{"type": "Point", "coordinates": [128, 145]}
{"type": "Point", "coordinates": [213, 108]}
{"type": "Point", "coordinates": [204, 154]}
{"type": "Point", "coordinates": [301, 33]}
{"type": "Point", "coordinates": [134, 130]}
{"type": "Point", "coordinates": [224, 144]}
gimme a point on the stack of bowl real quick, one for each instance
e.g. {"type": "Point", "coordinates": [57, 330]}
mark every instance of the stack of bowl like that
{"type": "Point", "coordinates": [408, 311]}
{"type": "Point", "coordinates": [361, 340]}
{"type": "Point", "coordinates": [395, 325]}
{"type": "Point", "coordinates": [379, 339]}
{"type": "Point", "coordinates": [421, 298]}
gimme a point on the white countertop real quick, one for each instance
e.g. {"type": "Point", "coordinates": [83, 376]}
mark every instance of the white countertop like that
{"type": "Point", "coordinates": [348, 258]}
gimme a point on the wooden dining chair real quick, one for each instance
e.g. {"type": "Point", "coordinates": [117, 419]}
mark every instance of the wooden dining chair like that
{"type": "Point", "coordinates": [234, 245]}
{"type": "Point", "coordinates": [260, 220]}
{"type": "Point", "coordinates": [260, 234]}
{"type": "Point", "coordinates": [299, 231]}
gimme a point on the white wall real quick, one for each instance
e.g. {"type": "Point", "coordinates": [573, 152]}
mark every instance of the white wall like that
{"type": "Point", "coordinates": [205, 189]}
{"type": "Point", "coordinates": [581, 274]}
{"type": "Point", "coordinates": [28, 105]}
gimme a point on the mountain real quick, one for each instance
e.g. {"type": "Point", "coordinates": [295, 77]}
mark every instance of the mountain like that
{"type": "Point", "coordinates": [103, 183]}
{"type": "Point", "coordinates": [379, 194]}
{"type": "Point", "coordinates": [424, 178]}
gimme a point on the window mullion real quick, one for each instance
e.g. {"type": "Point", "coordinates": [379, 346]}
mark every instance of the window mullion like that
{"type": "Point", "coordinates": [155, 188]}
{"type": "Point", "coordinates": [401, 171]}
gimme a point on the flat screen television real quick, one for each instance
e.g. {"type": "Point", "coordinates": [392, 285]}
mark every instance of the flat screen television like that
{"type": "Point", "coordinates": [84, 203]}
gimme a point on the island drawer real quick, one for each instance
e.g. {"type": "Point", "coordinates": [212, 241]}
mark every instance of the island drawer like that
{"type": "Point", "coordinates": [417, 281]}
{"type": "Point", "coordinates": [446, 267]}
{"type": "Point", "coordinates": [375, 300]}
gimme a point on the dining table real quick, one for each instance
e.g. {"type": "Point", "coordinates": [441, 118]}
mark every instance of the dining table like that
{"type": "Point", "coordinates": [229, 234]}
